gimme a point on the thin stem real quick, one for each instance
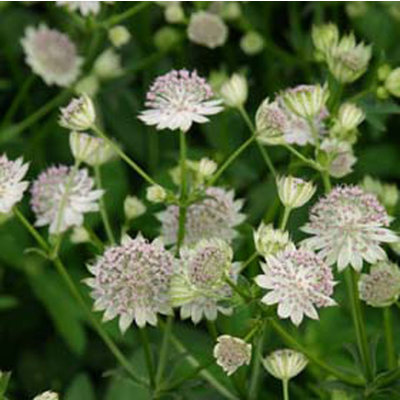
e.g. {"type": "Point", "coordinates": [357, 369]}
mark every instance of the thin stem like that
{"type": "Point", "coordinates": [285, 389]}
{"type": "Point", "coordinates": [212, 329]}
{"type": "Point", "coordinates": [285, 218]}
{"type": "Point", "coordinates": [326, 181]}
{"type": "Point", "coordinates": [79, 298]}
{"type": "Point", "coordinates": [126, 158]}
{"type": "Point", "coordinates": [389, 339]}
{"type": "Point", "coordinates": [256, 370]}
{"type": "Point", "coordinates": [162, 361]}
{"type": "Point", "coordinates": [300, 156]}
{"type": "Point", "coordinates": [231, 159]}
{"type": "Point", "coordinates": [103, 209]}
{"type": "Point", "coordinates": [359, 323]}
{"type": "Point", "coordinates": [222, 389]}
{"type": "Point", "coordinates": [183, 193]}
{"type": "Point", "coordinates": [148, 355]}
{"type": "Point", "coordinates": [248, 261]}
{"type": "Point", "coordinates": [292, 341]}
{"type": "Point", "coordinates": [263, 150]}
{"type": "Point", "coordinates": [116, 19]}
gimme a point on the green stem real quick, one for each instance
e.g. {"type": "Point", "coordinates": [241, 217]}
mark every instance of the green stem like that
{"type": "Point", "coordinates": [162, 361]}
{"type": "Point", "coordinates": [222, 389]}
{"type": "Point", "coordinates": [359, 323]}
{"type": "Point", "coordinates": [326, 181]}
{"type": "Point", "coordinates": [212, 329]}
{"type": "Point", "coordinates": [230, 160]}
{"type": "Point", "coordinates": [256, 369]}
{"type": "Point", "coordinates": [9, 133]}
{"type": "Point", "coordinates": [248, 261]}
{"type": "Point", "coordinates": [79, 298]}
{"type": "Point", "coordinates": [183, 193]}
{"type": "Point", "coordinates": [263, 150]}
{"type": "Point", "coordinates": [285, 218]}
{"type": "Point", "coordinates": [389, 339]}
{"type": "Point", "coordinates": [285, 389]}
{"type": "Point", "coordinates": [148, 355]}
{"type": "Point", "coordinates": [103, 209]}
{"type": "Point", "coordinates": [300, 156]}
{"type": "Point", "coordinates": [116, 19]}
{"type": "Point", "coordinates": [292, 342]}
{"type": "Point", "coordinates": [126, 158]}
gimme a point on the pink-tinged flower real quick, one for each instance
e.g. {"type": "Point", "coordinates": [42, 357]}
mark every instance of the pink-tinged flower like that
{"type": "Point", "coordinates": [178, 99]}
{"type": "Point", "coordinates": [51, 55]}
{"type": "Point", "coordinates": [12, 187]}
{"type": "Point", "coordinates": [61, 196]}
{"type": "Point", "coordinates": [231, 353]}
{"type": "Point", "coordinates": [84, 7]}
{"type": "Point", "coordinates": [215, 216]}
{"type": "Point", "coordinates": [199, 286]}
{"type": "Point", "coordinates": [348, 226]}
{"type": "Point", "coordinates": [132, 282]}
{"type": "Point", "coordinates": [298, 281]}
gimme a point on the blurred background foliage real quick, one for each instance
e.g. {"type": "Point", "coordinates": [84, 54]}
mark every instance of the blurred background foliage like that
{"type": "Point", "coordinates": [45, 340]}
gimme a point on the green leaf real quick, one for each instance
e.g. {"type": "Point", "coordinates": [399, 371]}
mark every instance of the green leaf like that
{"type": "Point", "coordinates": [81, 388]}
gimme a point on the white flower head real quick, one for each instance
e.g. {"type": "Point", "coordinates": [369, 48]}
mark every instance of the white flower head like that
{"type": "Point", "coordinates": [199, 285]}
{"type": "Point", "coordinates": [285, 364]}
{"type": "Point", "coordinates": [47, 396]}
{"type": "Point", "coordinates": [252, 43]}
{"type": "Point", "coordinates": [341, 157]}
{"type": "Point", "coordinates": [89, 149]}
{"type": "Point", "coordinates": [174, 13]}
{"type": "Point", "coordinates": [156, 194]}
{"type": "Point", "coordinates": [207, 167]}
{"type": "Point", "coordinates": [234, 91]}
{"type": "Point", "coordinates": [294, 192]}
{"type": "Point", "coordinates": [61, 196]}
{"type": "Point", "coordinates": [325, 37]}
{"type": "Point", "coordinates": [119, 35]}
{"type": "Point", "coordinates": [216, 215]}
{"type": "Point", "coordinates": [133, 207]}
{"type": "Point", "coordinates": [306, 101]}
{"type": "Point", "coordinates": [84, 7]}
{"type": "Point", "coordinates": [79, 114]}
{"type": "Point", "coordinates": [231, 353]}
{"type": "Point", "coordinates": [381, 287]}
{"type": "Point", "coordinates": [298, 281]}
{"type": "Point", "coordinates": [348, 226]}
{"type": "Point", "coordinates": [207, 29]}
{"type": "Point", "coordinates": [12, 187]}
{"type": "Point", "coordinates": [131, 281]}
{"type": "Point", "coordinates": [269, 241]}
{"type": "Point", "coordinates": [51, 55]}
{"type": "Point", "coordinates": [79, 235]}
{"type": "Point", "coordinates": [349, 117]}
{"type": "Point", "coordinates": [178, 99]}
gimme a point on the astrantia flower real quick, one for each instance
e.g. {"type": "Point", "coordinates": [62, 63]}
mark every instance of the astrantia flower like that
{"type": "Point", "coordinates": [381, 287]}
{"type": "Point", "coordinates": [51, 55]}
{"type": "Point", "coordinates": [47, 396]}
{"type": "Point", "coordinates": [132, 281]}
{"type": "Point", "coordinates": [61, 196]}
{"type": "Point", "coordinates": [285, 364]}
{"type": "Point", "coordinates": [207, 29]}
{"type": "Point", "coordinates": [325, 37]}
{"type": "Point", "coordinates": [84, 7]}
{"type": "Point", "coordinates": [12, 187]}
{"type": "Point", "coordinates": [299, 282]}
{"type": "Point", "coordinates": [348, 226]}
{"type": "Point", "coordinates": [199, 286]}
{"type": "Point", "coordinates": [231, 353]}
{"type": "Point", "coordinates": [269, 241]}
{"type": "Point", "coordinates": [79, 114]}
{"type": "Point", "coordinates": [234, 91]}
{"type": "Point", "coordinates": [178, 99]}
{"type": "Point", "coordinates": [215, 216]}
{"type": "Point", "coordinates": [294, 192]}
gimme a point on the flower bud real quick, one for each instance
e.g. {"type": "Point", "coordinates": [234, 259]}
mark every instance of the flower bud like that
{"type": "Point", "coordinates": [271, 122]}
{"type": "Point", "coordinates": [392, 83]}
{"type": "Point", "coordinates": [306, 101]}
{"type": "Point", "coordinates": [231, 10]}
{"type": "Point", "coordinates": [231, 353]}
{"type": "Point", "coordinates": [156, 194]}
{"type": "Point", "coordinates": [269, 241]}
{"type": "Point", "coordinates": [381, 287]}
{"type": "Point", "coordinates": [252, 43]}
{"type": "Point", "coordinates": [382, 93]}
{"type": "Point", "coordinates": [133, 207]}
{"type": "Point", "coordinates": [79, 235]}
{"type": "Point", "coordinates": [387, 194]}
{"type": "Point", "coordinates": [89, 85]}
{"type": "Point", "coordinates": [294, 192]}
{"type": "Point", "coordinates": [119, 35]}
{"type": "Point", "coordinates": [285, 364]}
{"type": "Point", "coordinates": [89, 149]}
{"type": "Point", "coordinates": [47, 396]}
{"type": "Point", "coordinates": [174, 14]}
{"type": "Point", "coordinates": [166, 38]}
{"type": "Point", "coordinates": [207, 167]}
{"type": "Point", "coordinates": [325, 37]}
{"type": "Point", "coordinates": [79, 114]}
{"type": "Point", "coordinates": [350, 116]}
{"type": "Point", "coordinates": [234, 92]}
{"type": "Point", "coordinates": [384, 71]}
{"type": "Point", "coordinates": [108, 65]}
